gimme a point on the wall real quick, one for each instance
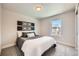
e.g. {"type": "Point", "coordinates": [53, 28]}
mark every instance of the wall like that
{"type": "Point", "coordinates": [0, 28]}
{"type": "Point", "coordinates": [9, 26]}
{"type": "Point", "coordinates": [76, 26]}
{"type": "Point", "coordinates": [78, 30]}
{"type": "Point", "coordinates": [68, 27]}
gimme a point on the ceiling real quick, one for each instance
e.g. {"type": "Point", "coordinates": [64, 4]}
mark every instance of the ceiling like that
{"type": "Point", "coordinates": [49, 9]}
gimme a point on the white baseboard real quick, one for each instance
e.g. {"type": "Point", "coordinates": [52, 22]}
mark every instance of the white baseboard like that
{"type": "Point", "coordinates": [66, 44]}
{"type": "Point", "coordinates": [8, 45]}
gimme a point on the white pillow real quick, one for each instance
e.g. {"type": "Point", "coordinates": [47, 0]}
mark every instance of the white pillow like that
{"type": "Point", "coordinates": [31, 35]}
{"type": "Point", "coordinates": [19, 33]}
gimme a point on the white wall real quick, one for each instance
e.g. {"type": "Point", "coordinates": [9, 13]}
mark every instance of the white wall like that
{"type": "Point", "coordinates": [68, 27]}
{"type": "Point", "coordinates": [9, 26]}
{"type": "Point", "coordinates": [0, 27]}
{"type": "Point", "coordinates": [78, 30]}
{"type": "Point", "coordinates": [76, 26]}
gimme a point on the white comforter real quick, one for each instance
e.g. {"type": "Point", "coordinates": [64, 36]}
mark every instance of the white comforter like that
{"type": "Point", "coordinates": [38, 46]}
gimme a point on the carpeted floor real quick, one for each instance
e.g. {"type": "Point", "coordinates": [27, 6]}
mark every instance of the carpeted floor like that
{"type": "Point", "coordinates": [60, 50]}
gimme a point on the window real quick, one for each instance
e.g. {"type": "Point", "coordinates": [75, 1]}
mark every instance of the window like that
{"type": "Point", "coordinates": [56, 26]}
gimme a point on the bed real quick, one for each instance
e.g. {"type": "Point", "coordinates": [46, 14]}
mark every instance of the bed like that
{"type": "Point", "coordinates": [31, 44]}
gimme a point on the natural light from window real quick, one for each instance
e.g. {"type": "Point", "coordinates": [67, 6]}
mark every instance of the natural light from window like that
{"type": "Point", "coordinates": [56, 27]}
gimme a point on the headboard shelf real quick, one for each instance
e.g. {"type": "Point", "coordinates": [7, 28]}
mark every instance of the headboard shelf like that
{"type": "Point", "coordinates": [25, 26]}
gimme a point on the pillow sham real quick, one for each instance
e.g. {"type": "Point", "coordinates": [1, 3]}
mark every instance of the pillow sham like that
{"type": "Point", "coordinates": [24, 34]}
{"type": "Point", "coordinates": [19, 33]}
{"type": "Point", "coordinates": [30, 35]}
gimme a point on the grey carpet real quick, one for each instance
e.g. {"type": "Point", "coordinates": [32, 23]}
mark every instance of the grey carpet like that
{"type": "Point", "coordinates": [60, 50]}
